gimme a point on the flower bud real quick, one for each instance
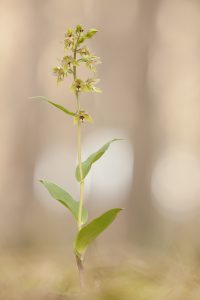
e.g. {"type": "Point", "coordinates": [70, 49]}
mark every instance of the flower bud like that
{"type": "Point", "coordinates": [79, 28]}
{"type": "Point", "coordinates": [91, 33]}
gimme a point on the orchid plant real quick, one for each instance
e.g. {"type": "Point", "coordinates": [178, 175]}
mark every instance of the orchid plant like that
{"type": "Point", "coordinates": [76, 53]}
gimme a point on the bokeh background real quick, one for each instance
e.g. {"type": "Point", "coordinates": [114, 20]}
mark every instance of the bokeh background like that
{"type": "Point", "coordinates": [150, 78]}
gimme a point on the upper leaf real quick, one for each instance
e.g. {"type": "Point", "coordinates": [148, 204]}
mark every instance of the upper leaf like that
{"type": "Point", "coordinates": [64, 109]}
{"type": "Point", "coordinates": [90, 232]}
{"type": "Point", "coordinates": [87, 164]}
{"type": "Point", "coordinates": [66, 199]}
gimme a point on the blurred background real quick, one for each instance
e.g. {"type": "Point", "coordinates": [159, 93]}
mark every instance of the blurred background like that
{"type": "Point", "coordinates": [150, 77]}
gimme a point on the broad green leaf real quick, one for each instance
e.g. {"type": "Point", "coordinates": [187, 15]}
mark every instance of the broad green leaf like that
{"type": "Point", "coordinates": [64, 109]}
{"type": "Point", "coordinates": [66, 199]}
{"type": "Point", "coordinates": [92, 230]}
{"type": "Point", "coordinates": [87, 164]}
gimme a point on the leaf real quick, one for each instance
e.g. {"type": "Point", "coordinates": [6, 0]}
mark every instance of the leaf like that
{"type": "Point", "coordinates": [66, 199]}
{"type": "Point", "coordinates": [92, 230]}
{"type": "Point", "coordinates": [64, 109]}
{"type": "Point", "coordinates": [87, 164]}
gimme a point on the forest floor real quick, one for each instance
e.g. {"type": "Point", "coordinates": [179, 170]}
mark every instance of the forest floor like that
{"type": "Point", "coordinates": [41, 277]}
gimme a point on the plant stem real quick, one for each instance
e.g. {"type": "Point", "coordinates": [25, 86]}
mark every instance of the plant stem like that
{"type": "Point", "coordinates": [81, 199]}
{"type": "Point", "coordinates": [81, 271]}
{"type": "Point", "coordinates": [81, 176]}
{"type": "Point", "coordinates": [79, 151]}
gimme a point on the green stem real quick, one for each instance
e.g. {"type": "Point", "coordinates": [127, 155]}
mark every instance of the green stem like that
{"type": "Point", "coordinates": [81, 199]}
{"type": "Point", "coordinates": [81, 177]}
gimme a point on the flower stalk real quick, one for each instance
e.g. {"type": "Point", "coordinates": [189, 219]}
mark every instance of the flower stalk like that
{"type": "Point", "coordinates": [81, 198]}
{"type": "Point", "coordinates": [79, 261]}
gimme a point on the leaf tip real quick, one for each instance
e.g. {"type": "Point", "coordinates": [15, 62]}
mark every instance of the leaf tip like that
{"type": "Point", "coordinates": [118, 209]}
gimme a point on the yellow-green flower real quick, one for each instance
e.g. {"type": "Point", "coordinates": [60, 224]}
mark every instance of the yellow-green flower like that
{"type": "Point", "coordinates": [59, 73]}
{"type": "Point", "coordinates": [68, 62]}
{"type": "Point", "coordinates": [90, 85]}
{"type": "Point", "coordinates": [77, 85]}
{"type": "Point", "coordinates": [69, 38]}
{"type": "Point", "coordinates": [82, 116]}
{"type": "Point", "coordinates": [83, 51]}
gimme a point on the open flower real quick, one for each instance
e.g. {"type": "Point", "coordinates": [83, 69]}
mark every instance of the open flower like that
{"type": "Point", "coordinates": [68, 62]}
{"type": "Point", "coordinates": [69, 38]}
{"type": "Point", "coordinates": [90, 61]}
{"type": "Point", "coordinates": [82, 116]}
{"type": "Point", "coordinates": [78, 85]}
{"type": "Point", "coordinates": [90, 85]}
{"type": "Point", "coordinates": [59, 73]}
{"type": "Point", "coordinates": [83, 51]}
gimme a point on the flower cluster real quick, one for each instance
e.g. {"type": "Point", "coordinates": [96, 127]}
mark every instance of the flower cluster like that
{"type": "Point", "coordinates": [75, 54]}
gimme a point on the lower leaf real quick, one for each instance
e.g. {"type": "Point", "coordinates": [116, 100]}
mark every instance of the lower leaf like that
{"type": "Point", "coordinates": [66, 199]}
{"type": "Point", "coordinates": [92, 230]}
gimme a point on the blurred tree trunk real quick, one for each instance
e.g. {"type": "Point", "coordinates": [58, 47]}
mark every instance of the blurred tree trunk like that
{"type": "Point", "coordinates": [19, 126]}
{"type": "Point", "coordinates": [128, 43]}
{"type": "Point", "coordinates": [141, 213]}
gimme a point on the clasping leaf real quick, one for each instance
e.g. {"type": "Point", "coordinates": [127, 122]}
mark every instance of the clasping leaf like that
{"type": "Point", "coordinates": [66, 199]}
{"type": "Point", "coordinates": [92, 230]}
{"type": "Point", "coordinates": [87, 164]}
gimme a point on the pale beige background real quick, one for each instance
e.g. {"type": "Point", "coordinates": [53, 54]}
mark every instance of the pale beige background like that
{"type": "Point", "coordinates": [150, 78]}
